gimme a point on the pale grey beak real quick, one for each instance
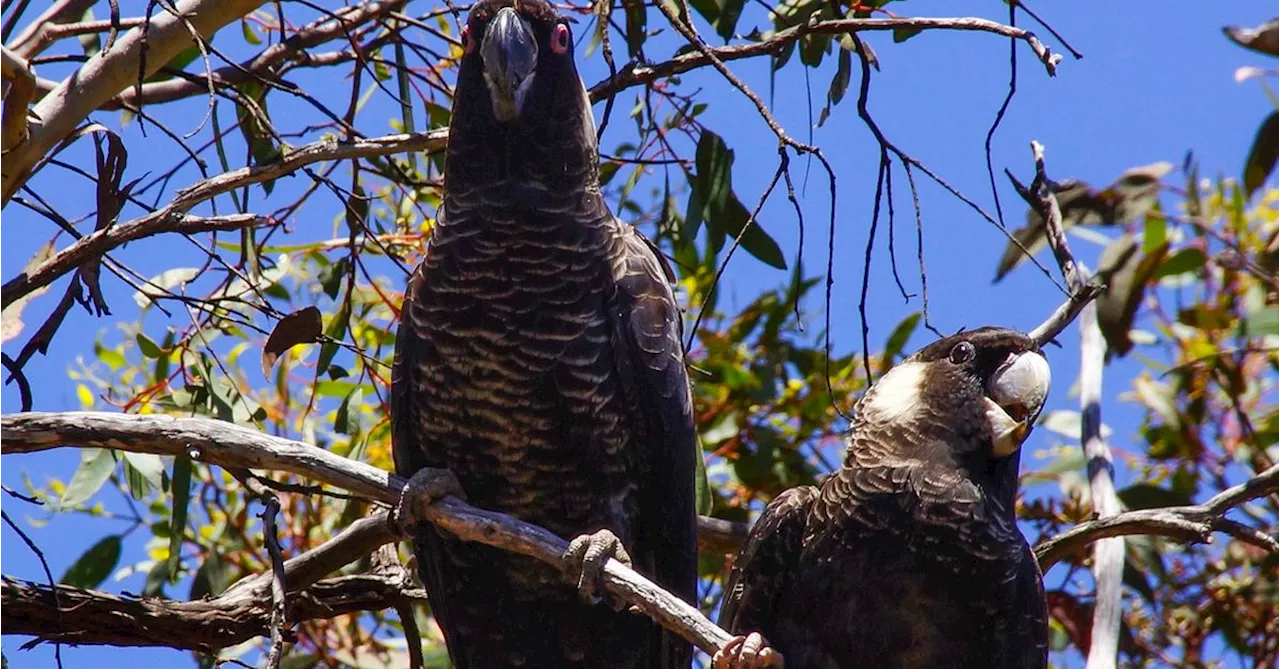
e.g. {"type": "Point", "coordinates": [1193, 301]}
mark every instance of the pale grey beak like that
{"type": "Point", "coordinates": [1015, 396]}
{"type": "Point", "coordinates": [510, 55]}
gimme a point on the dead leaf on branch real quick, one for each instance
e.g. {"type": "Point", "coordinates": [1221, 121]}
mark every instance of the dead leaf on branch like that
{"type": "Point", "coordinates": [11, 322]}
{"type": "Point", "coordinates": [300, 327]}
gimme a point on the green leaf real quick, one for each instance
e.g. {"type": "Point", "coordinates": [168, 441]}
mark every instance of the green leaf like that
{"type": "Point", "coordinates": [753, 239]}
{"type": "Point", "coordinates": [1148, 496]}
{"type": "Point", "coordinates": [211, 579]}
{"type": "Point", "coordinates": [246, 29]}
{"type": "Point", "coordinates": [1186, 260]}
{"type": "Point", "coordinates": [149, 465]}
{"type": "Point", "coordinates": [1261, 323]}
{"type": "Point", "coordinates": [348, 419]}
{"type": "Point", "coordinates": [178, 520]}
{"type": "Point", "coordinates": [1262, 157]}
{"type": "Point", "coordinates": [157, 576]}
{"type": "Point", "coordinates": [1127, 273]}
{"type": "Point", "coordinates": [701, 485]}
{"type": "Point", "coordinates": [903, 34]}
{"type": "Point", "coordinates": [96, 466]}
{"type": "Point", "coordinates": [97, 563]}
{"type": "Point", "coordinates": [1155, 233]}
{"type": "Point", "coordinates": [336, 331]}
{"type": "Point", "coordinates": [252, 114]}
{"type": "Point", "coordinates": [165, 281]}
{"type": "Point", "coordinates": [710, 186]}
{"type": "Point", "coordinates": [898, 338]}
{"type": "Point", "coordinates": [147, 346]}
{"type": "Point", "coordinates": [637, 14]}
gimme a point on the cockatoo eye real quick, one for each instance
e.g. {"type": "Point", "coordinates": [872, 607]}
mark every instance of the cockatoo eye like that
{"type": "Point", "coordinates": [560, 39]}
{"type": "Point", "coordinates": [961, 353]}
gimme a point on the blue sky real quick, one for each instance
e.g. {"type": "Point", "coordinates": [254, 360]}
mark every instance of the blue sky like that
{"type": "Point", "coordinates": [1156, 81]}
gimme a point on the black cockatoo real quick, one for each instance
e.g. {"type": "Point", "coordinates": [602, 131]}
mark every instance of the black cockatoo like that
{"type": "Point", "coordinates": [907, 556]}
{"type": "Point", "coordinates": [538, 368]}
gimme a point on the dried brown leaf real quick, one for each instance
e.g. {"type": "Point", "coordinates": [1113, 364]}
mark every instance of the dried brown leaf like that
{"type": "Point", "coordinates": [300, 327]}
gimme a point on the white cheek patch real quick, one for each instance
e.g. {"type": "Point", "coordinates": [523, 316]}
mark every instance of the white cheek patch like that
{"type": "Point", "coordinates": [896, 396]}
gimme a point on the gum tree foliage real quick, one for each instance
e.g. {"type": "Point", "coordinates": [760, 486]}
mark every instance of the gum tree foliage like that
{"type": "Point", "coordinates": [289, 327]}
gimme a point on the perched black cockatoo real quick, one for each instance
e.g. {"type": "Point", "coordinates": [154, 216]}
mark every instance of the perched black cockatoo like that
{"type": "Point", "coordinates": [907, 556]}
{"type": "Point", "coordinates": [538, 368]}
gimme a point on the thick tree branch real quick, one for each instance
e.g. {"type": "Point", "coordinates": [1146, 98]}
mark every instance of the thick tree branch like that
{"type": "Point", "coordinates": [1108, 554]}
{"type": "Point", "coordinates": [28, 43]}
{"type": "Point", "coordinates": [106, 75]}
{"type": "Point", "coordinates": [1108, 562]}
{"type": "Point", "coordinates": [90, 617]}
{"type": "Point", "coordinates": [335, 26]}
{"type": "Point", "coordinates": [242, 612]}
{"type": "Point", "coordinates": [228, 445]}
{"type": "Point", "coordinates": [22, 86]}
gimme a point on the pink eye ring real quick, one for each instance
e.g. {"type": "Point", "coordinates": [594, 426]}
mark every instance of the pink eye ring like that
{"type": "Point", "coordinates": [468, 44]}
{"type": "Point", "coordinates": [560, 39]}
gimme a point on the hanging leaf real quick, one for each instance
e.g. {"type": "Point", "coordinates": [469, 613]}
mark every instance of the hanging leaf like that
{"type": "Point", "coordinates": [1127, 272]}
{"type": "Point", "coordinates": [178, 520]}
{"type": "Point", "coordinates": [97, 563]}
{"type": "Point", "coordinates": [11, 322]}
{"type": "Point", "coordinates": [96, 466]}
{"type": "Point", "coordinates": [1263, 39]}
{"type": "Point", "coordinates": [254, 121]}
{"type": "Point", "coordinates": [1262, 157]}
{"type": "Point", "coordinates": [348, 418]}
{"type": "Point", "coordinates": [701, 486]}
{"type": "Point", "coordinates": [300, 327]}
{"type": "Point", "coordinates": [898, 339]}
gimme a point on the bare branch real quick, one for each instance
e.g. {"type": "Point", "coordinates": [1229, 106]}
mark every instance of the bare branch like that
{"type": "Point", "coordinates": [1108, 554]}
{"type": "Point", "coordinates": [227, 445]}
{"type": "Point", "coordinates": [643, 74]}
{"type": "Point", "coordinates": [240, 613]}
{"type": "Point", "coordinates": [1083, 288]}
{"type": "Point", "coordinates": [22, 86]}
{"type": "Point", "coordinates": [171, 217]}
{"type": "Point", "coordinates": [104, 76]}
{"type": "Point", "coordinates": [94, 246]}
{"type": "Point", "coordinates": [1185, 523]}
{"type": "Point", "coordinates": [59, 12]}
{"type": "Point", "coordinates": [91, 617]}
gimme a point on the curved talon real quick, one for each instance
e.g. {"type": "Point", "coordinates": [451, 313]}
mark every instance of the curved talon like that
{"type": "Point", "coordinates": [747, 652]}
{"type": "Point", "coordinates": [587, 554]}
{"type": "Point", "coordinates": [425, 487]}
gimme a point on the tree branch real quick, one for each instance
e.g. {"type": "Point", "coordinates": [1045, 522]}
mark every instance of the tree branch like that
{"type": "Point", "coordinates": [643, 74]}
{"type": "Point", "coordinates": [93, 246]}
{"type": "Point", "coordinates": [104, 76]}
{"type": "Point", "coordinates": [1194, 523]}
{"type": "Point", "coordinates": [22, 86]}
{"type": "Point", "coordinates": [240, 613]}
{"type": "Point", "coordinates": [1082, 288]}
{"type": "Point", "coordinates": [229, 445]}
{"type": "Point", "coordinates": [171, 217]}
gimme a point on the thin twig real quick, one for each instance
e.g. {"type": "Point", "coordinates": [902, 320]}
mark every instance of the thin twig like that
{"type": "Point", "coordinates": [1195, 523]}
{"type": "Point", "coordinates": [44, 564]}
{"type": "Point", "coordinates": [1082, 288]}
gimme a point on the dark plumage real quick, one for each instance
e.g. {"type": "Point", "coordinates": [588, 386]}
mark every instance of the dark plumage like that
{"type": "Point", "coordinates": [908, 556]}
{"type": "Point", "coordinates": [539, 359]}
